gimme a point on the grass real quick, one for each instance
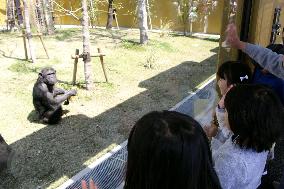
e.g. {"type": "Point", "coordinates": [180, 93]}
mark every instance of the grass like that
{"type": "Point", "coordinates": [141, 78]}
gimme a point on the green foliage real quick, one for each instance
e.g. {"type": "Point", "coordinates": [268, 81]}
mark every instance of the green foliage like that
{"type": "Point", "coordinates": [22, 67]}
{"type": "Point", "coordinates": [164, 46]}
{"type": "Point", "coordinates": [62, 35]}
{"type": "Point", "coordinates": [152, 44]}
{"type": "Point", "coordinates": [132, 45]}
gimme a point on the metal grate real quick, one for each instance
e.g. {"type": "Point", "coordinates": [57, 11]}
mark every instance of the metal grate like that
{"type": "Point", "coordinates": [108, 172]}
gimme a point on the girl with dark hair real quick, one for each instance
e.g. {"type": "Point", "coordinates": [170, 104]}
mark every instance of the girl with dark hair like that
{"type": "Point", "coordinates": [254, 115]}
{"type": "Point", "coordinates": [230, 73]}
{"type": "Point", "coordinates": [169, 150]}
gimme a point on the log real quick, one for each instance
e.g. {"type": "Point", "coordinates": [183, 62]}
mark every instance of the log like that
{"type": "Point", "coordinates": [75, 67]}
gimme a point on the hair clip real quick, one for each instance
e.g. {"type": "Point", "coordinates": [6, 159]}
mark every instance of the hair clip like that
{"type": "Point", "coordinates": [235, 139]}
{"type": "Point", "coordinates": [242, 78]}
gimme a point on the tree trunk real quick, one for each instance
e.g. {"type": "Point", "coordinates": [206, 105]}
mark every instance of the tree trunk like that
{"type": "Point", "coordinates": [48, 17]}
{"type": "Point", "coordinates": [86, 46]}
{"type": "Point", "coordinates": [19, 13]}
{"type": "Point", "coordinates": [190, 3]}
{"type": "Point", "coordinates": [205, 29]}
{"type": "Point", "coordinates": [28, 31]}
{"type": "Point", "coordinates": [149, 14]}
{"type": "Point", "coordinates": [32, 14]}
{"type": "Point", "coordinates": [142, 19]}
{"type": "Point", "coordinates": [10, 14]}
{"type": "Point", "coordinates": [40, 15]}
{"type": "Point", "coordinates": [109, 15]}
{"type": "Point", "coordinates": [92, 13]}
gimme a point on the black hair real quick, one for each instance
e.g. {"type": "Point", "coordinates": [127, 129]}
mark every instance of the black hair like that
{"type": "Point", "coordinates": [278, 48]}
{"type": "Point", "coordinates": [169, 150]}
{"type": "Point", "coordinates": [255, 116]}
{"type": "Point", "coordinates": [235, 72]}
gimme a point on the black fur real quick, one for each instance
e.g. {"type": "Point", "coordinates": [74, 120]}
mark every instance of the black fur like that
{"type": "Point", "coordinates": [47, 99]}
{"type": "Point", "coordinates": [5, 151]}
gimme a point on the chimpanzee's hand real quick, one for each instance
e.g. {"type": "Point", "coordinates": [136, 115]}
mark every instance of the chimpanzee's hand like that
{"type": "Point", "coordinates": [72, 92]}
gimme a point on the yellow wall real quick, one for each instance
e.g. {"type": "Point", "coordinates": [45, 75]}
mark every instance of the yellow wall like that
{"type": "Point", "coordinates": [163, 12]}
{"type": "Point", "coordinates": [2, 12]}
{"type": "Point", "coordinates": [262, 19]}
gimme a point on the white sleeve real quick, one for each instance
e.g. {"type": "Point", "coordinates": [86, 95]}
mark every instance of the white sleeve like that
{"type": "Point", "coordinates": [231, 171]}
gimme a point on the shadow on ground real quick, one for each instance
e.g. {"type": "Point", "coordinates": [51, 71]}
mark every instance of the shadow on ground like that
{"type": "Point", "coordinates": [62, 150]}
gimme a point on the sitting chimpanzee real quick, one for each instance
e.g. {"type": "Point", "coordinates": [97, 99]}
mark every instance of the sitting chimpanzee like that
{"type": "Point", "coordinates": [47, 99]}
{"type": "Point", "coordinates": [5, 152]}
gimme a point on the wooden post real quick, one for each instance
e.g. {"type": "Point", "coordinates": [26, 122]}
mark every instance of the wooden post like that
{"type": "Point", "coordinates": [102, 63]}
{"type": "Point", "coordinates": [40, 37]}
{"type": "Point", "coordinates": [75, 66]}
{"type": "Point", "coordinates": [25, 44]}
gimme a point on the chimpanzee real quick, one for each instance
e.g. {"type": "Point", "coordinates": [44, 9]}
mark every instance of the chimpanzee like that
{"type": "Point", "coordinates": [47, 99]}
{"type": "Point", "coordinates": [5, 151]}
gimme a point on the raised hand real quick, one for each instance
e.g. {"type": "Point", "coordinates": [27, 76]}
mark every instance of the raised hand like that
{"type": "Point", "coordinates": [232, 37]}
{"type": "Point", "coordinates": [91, 185]}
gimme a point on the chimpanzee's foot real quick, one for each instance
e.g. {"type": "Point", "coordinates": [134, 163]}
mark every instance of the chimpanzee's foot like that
{"type": "Point", "coordinates": [64, 112]}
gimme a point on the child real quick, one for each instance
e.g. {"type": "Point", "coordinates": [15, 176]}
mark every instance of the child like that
{"type": "Point", "coordinates": [169, 150]}
{"type": "Point", "coordinates": [230, 73]}
{"type": "Point", "coordinates": [253, 113]}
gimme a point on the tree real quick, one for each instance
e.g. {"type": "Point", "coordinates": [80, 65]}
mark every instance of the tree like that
{"type": "Point", "coordinates": [149, 14]}
{"type": "Point", "coordinates": [205, 8]}
{"type": "Point", "coordinates": [10, 13]}
{"type": "Point", "coordinates": [48, 18]}
{"type": "Point", "coordinates": [190, 10]}
{"type": "Point", "coordinates": [183, 13]}
{"type": "Point", "coordinates": [110, 14]}
{"type": "Point", "coordinates": [28, 31]}
{"type": "Point", "coordinates": [142, 19]}
{"type": "Point", "coordinates": [86, 45]}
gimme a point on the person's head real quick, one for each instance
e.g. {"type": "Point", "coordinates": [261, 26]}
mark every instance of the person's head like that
{"type": "Point", "coordinates": [254, 116]}
{"type": "Point", "coordinates": [278, 48]}
{"type": "Point", "coordinates": [169, 150]}
{"type": "Point", "coordinates": [233, 73]}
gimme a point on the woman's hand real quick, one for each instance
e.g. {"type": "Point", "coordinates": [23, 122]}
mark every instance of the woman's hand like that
{"type": "Point", "coordinates": [232, 37]}
{"type": "Point", "coordinates": [91, 185]}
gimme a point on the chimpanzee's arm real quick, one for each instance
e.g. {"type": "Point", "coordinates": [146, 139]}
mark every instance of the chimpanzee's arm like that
{"type": "Point", "coordinates": [51, 101]}
{"type": "Point", "coordinates": [58, 91]}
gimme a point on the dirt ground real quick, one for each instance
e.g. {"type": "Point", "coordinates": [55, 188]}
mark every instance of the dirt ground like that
{"type": "Point", "coordinates": [142, 78]}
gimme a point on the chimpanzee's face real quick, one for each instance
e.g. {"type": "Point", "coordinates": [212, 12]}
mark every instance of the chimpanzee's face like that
{"type": "Point", "coordinates": [49, 76]}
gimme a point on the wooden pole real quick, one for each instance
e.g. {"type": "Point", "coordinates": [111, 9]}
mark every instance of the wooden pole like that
{"type": "Point", "coordinates": [75, 66]}
{"type": "Point", "coordinates": [25, 44]}
{"type": "Point", "coordinates": [40, 37]}
{"type": "Point", "coordinates": [102, 63]}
